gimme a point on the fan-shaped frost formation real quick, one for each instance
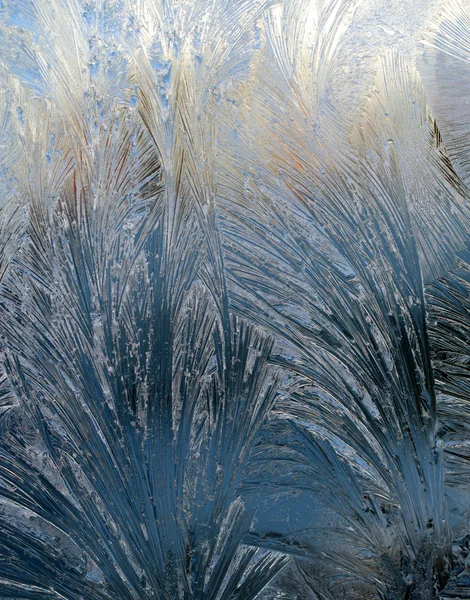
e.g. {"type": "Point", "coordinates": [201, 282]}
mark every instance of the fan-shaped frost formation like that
{"type": "Point", "coordinates": [234, 299]}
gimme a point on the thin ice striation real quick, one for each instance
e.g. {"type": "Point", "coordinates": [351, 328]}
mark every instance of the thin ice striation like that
{"type": "Point", "coordinates": [234, 300]}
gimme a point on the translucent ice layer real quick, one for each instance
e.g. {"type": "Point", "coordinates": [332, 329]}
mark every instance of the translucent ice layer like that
{"type": "Point", "coordinates": [234, 299]}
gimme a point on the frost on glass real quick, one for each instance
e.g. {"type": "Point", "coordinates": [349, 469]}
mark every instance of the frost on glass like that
{"type": "Point", "coordinates": [234, 299]}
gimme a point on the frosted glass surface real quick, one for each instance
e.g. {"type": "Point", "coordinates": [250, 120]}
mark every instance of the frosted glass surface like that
{"type": "Point", "coordinates": [234, 299]}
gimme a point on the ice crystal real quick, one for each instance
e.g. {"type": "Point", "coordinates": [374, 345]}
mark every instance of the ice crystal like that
{"type": "Point", "coordinates": [234, 299]}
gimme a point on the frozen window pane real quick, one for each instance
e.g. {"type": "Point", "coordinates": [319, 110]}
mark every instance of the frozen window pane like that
{"type": "Point", "coordinates": [234, 299]}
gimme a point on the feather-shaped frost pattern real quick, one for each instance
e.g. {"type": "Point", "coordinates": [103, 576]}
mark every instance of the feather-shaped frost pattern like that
{"type": "Point", "coordinates": [233, 300]}
{"type": "Point", "coordinates": [444, 64]}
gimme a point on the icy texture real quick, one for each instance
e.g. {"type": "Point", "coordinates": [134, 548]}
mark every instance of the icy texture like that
{"type": "Point", "coordinates": [234, 299]}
